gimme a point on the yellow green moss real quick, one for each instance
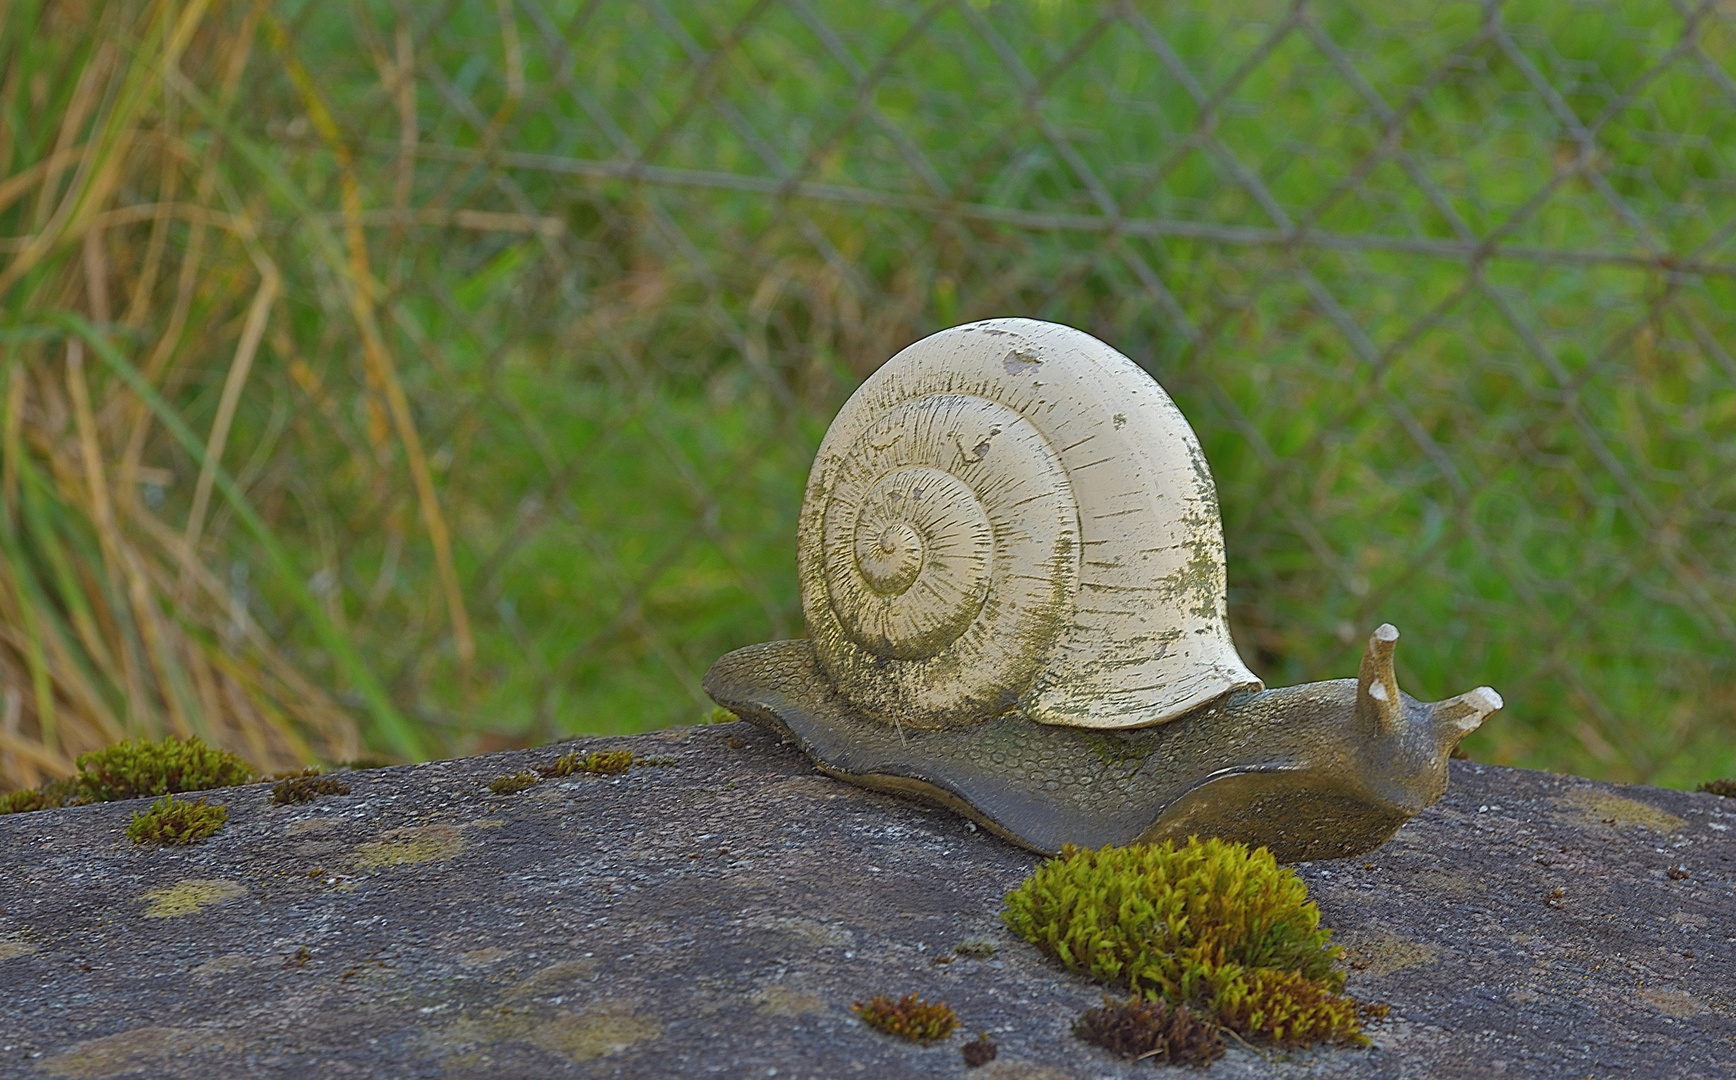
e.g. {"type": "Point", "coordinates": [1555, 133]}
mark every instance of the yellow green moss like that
{"type": "Point", "coordinates": [131, 770]}
{"type": "Point", "coordinates": [175, 821]}
{"type": "Point", "coordinates": [909, 1017]}
{"type": "Point", "coordinates": [597, 762]}
{"type": "Point", "coordinates": [1166, 918]}
{"type": "Point", "coordinates": [305, 786]}
{"type": "Point", "coordinates": [1209, 924]}
{"type": "Point", "coordinates": [1288, 1009]}
{"type": "Point", "coordinates": [513, 783]}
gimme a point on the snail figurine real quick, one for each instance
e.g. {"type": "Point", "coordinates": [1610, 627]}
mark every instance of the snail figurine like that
{"type": "Point", "coordinates": [1012, 573]}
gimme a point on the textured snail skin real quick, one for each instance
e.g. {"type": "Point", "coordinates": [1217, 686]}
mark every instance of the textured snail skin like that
{"type": "Point", "coordinates": [1012, 576]}
{"type": "Point", "coordinates": [1319, 771]}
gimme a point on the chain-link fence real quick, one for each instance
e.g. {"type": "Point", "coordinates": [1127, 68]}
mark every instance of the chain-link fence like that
{"type": "Point", "coordinates": [566, 293]}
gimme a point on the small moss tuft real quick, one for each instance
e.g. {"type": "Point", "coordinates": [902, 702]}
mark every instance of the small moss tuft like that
{"type": "Point", "coordinates": [175, 821]}
{"type": "Point", "coordinates": [980, 1051]}
{"type": "Point", "coordinates": [719, 715]}
{"type": "Point", "coordinates": [1726, 788]}
{"type": "Point", "coordinates": [1139, 1028]}
{"type": "Point", "coordinates": [305, 787]}
{"type": "Point", "coordinates": [513, 783]}
{"type": "Point", "coordinates": [597, 762]}
{"type": "Point", "coordinates": [52, 794]}
{"type": "Point", "coordinates": [1288, 1009]}
{"type": "Point", "coordinates": [1210, 925]}
{"type": "Point", "coordinates": [975, 948]}
{"type": "Point", "coordinates": [909, 1017]}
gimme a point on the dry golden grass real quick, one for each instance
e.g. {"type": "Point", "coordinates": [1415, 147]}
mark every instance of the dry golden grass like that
{"type": "Point", "coordinates": [112, 624]}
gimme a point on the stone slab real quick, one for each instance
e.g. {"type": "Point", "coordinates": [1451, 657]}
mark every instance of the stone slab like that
{"type": "Point", "coordinates": [719, 914]}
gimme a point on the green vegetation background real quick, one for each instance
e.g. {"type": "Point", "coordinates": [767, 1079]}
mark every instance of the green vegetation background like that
{"type": "Point", "coordinates": [552, 302]}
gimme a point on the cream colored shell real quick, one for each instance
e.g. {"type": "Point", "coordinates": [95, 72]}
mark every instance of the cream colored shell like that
{"type": "Point", "coordinates": [1013, 514]}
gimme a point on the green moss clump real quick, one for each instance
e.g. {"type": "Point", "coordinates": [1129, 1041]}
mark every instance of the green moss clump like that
{"type": "Point", "coordinates": [175, 821]}
{"type": "Point", "coordinates": [1210, 925]}
{"type": "Point", "coordinates": [305, 786]}
{"type": "Point", "coordinates": [597, 762]}
{"type": "Point", "coordinates": [1141, 1029]}
{"type": "Point", "coordinates": [513, 783]}
{"type": "Point", "coordinates": [131, 770]}
{"type": "Point", "coordinates": [54, 793]}
{"type": "Point", "coordinates": [1167, 919]}
{"type": "Point", "coordinates": [1726, 788]}
{"type": "Point", "coordinates": [909, 1017]}
{"type": "Point", "coordinates": [975, 948]}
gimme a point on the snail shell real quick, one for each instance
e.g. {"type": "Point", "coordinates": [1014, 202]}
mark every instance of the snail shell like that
{"type": "Point", "coordinates": [1011, 514]}
{"type": "Point", "coordinates": [1012, 570]}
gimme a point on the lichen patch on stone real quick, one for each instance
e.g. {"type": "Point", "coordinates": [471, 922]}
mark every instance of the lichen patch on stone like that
{"type": "Point", "coordinates": [142, 1050]}
{"type": "Point", "coordinates": [186, 897]}
{"type": "Point", "coordinates": [1377, 954]}
{"type": "Point", "coordinates": [1600, 807]}
{"type": "Point", "coordinates": [554, 979]}
{"type": "Point", "coordinates": [781, 1000]}
{"type": "Point", "coordinates": [483, 957]}
{"type": "Point", "coordinates": [1677, 1003]}
{"type": "Point", "coordinates": [9, 949]}
{"type": "Point", "coordinates": [1019, 1070]}
{"type": "Point", "coordinates": [410, 846]}
{"type": "Point", "coordinates": [598, 1032]}
{"type": "Point", "coordinates": [227, 964]}
{"type": "Point", "coordinates": [811, 931]}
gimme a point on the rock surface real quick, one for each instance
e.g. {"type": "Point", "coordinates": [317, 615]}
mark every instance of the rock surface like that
{"type": "Point", "coordinates": [718, 915]}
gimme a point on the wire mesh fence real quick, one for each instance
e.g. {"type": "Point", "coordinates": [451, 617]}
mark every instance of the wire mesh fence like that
{"type": "Point", "coordinates": [550, 303]}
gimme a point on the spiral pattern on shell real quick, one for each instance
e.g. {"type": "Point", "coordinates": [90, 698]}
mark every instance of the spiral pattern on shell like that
{"type": "Point", "coordinates": [933, 523]}
{"type": "Point", "coordinates": [1012, 515]}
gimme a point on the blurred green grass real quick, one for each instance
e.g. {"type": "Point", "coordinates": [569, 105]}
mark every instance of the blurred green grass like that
{"type": "Point", "coordinates": [619, 375]}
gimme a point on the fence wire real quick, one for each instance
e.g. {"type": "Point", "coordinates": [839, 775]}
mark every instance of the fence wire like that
{"type": "Point", "coordinates": [570, 291]}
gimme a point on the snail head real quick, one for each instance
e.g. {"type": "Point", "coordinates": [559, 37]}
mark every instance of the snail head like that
{"type": "Point", "coordinates": [1408, 741]}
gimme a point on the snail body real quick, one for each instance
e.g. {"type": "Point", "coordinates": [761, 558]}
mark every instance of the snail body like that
{"type": "Point", "coordinates": [1012, 574]}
